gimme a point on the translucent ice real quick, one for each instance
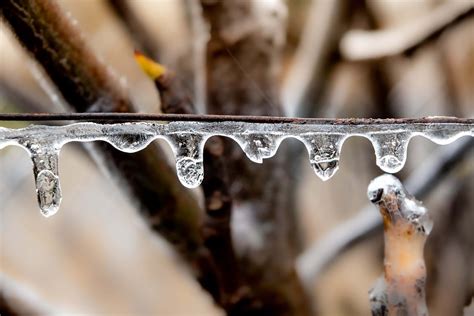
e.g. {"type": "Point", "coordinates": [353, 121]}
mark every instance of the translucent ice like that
{"type": "Point", "coordinates": [323, 140]}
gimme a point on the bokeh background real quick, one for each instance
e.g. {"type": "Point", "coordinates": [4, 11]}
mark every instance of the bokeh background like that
{"type": "Point", "coordinates": [97, 256]}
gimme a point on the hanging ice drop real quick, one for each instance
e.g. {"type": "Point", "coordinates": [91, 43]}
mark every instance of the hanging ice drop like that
{"type": "Point", "coordinates": [188, 149]}
{"type": "Point", "coordinates": [390, 150]}
{"type": "Point", "coordinates": [45, 170]}
{"type": "Point", "coordinates": [324, 151]}
{"type": "Point", "coordinates": [259, 146]}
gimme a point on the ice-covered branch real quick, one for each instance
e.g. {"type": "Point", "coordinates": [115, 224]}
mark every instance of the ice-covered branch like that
{"type": "Point", "coordinates": [366, 45]}
{"type": "Point", "coordinates": [258, 140]}
{"type": "Point", "coordinates": [425, 178]}
{"type": "Point", "coordinates": [407, 224]}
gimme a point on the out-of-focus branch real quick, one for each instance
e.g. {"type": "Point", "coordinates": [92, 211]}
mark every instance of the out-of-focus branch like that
{"type": "Point", "coordinates": [407, 224]}
{"type": "Point", "coordinates": [242, 66]}
{"type": "Point", "coordinates": [423, 180]}
{"type": "Point", "coordinates": [197, 52]}
{"type": "Point", "coordinates": [20, 99]}
{"type": "Point", "coordinates": [366, 45]}
{"type": "Point", "coordinates": [86, 85]}
{"type": "Point", "coordinates": [218, 202]}
{"type": "Point", "coordinates": [312, 58]}
{"type": "Point", "coordinates": [138, 32]}
{"type": "Point", "coordinates": [16, 299]}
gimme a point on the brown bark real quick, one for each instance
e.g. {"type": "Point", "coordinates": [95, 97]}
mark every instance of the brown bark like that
{"type": "Point", "coordinates": [242, 71]}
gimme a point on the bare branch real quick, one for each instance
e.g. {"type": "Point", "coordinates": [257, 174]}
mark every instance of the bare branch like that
{"type": "Point", "coordinates": [16, 299]}
{"type": "Point", "coordinates": [242, 66]}
{"type": "Point", "coordinates": [407, 224]}
{"type": "Point", "coordinates": [137, 30]}
{"type": "Point", "coordinates": [423, 180]}
{"type": "Point", "coordinates": [366, 45]}
{"type": "Point", "coordinates": [318, 41]}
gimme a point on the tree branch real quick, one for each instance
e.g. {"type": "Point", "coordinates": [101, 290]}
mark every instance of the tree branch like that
{"type": "Point", "coordinates": [367, 45]}
{"type": "Point", "coordinates": [366, 222]}
{"type": "Point", "coordinates": [137, 30]}
{"type": "Point", "coordinates": [242, 64]}
{"type": "Point", "coordinates": [407, 224]}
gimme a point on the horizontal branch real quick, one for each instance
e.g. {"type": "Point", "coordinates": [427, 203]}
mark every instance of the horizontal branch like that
{"type": "Point", "coordinates": [367, 45]}
{"type": "Point", "coordinates": [367, 222]}
{"type": "Point", "coordinates": [122, 117]}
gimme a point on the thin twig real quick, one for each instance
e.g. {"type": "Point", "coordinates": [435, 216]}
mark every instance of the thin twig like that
{"type": "Point", "coordinates": [118, 117]}
{"type": "Point", "coordinates": [138, 32]}
{"type": "Point", "coordinates": [366, 45]}
{"type": "Point", "coordinates": [366, 222]}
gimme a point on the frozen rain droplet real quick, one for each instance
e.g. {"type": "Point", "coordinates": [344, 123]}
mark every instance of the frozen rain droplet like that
{"type": "Point", "coordinates": [324, 151]}
{"type": "Point", "coordinates": [259, 146]}
{"type": "Point", "coordinates": [390, 150]}
{"type": "Point", "coordinates": [48, 192]}
{"type": "Point", "coordinates": [188, 149]}
{"type": "Point", "coordinates": [190, 171]}
{"type": "Point", "coordinates": [131, 142]}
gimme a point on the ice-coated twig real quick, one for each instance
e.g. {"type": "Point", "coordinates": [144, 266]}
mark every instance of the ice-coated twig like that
{"type": "Point", "coordinates": [366, 222]}
{"type": "Point", "coordinates": [366, 45]}
{"type": "Point", "coordinates": [407, 224]}
{"type": "Point", "coordinates": [258, 140]}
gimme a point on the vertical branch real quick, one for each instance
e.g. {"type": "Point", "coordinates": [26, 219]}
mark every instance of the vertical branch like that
{"type": "Point", "coordinates": [406, 228]}
{"type": "Point", "coordinates": [242, 60]}
{"type": "Point", "coordinates": [218, 202]}
{"type": "Point", "coordinates": [137, 30]}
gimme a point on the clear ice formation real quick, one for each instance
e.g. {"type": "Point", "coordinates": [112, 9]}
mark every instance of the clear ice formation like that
{"type": "Point", "coordinates": [259, 141]}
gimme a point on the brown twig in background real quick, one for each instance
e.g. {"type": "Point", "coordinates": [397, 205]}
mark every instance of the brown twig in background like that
{"type": "Point", "coordinates": [313, 57]}
{"type": "Point", "coordinates": [86, 85]}
{"type": "Point", "coordinates": [242, 63]}
{"type": "Point", "coordinates": [366, 45]}
{"type": "Point", "coordinates": [137, 30]}
{"type": "Point", "coordinates": [407, 224]}
{"type": "Point", "coordinates": [366, 222]}
{"type": "Point", "coordinates": [218, 202]}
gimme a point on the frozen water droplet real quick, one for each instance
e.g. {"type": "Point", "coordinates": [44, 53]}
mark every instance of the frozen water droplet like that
{"type": "Point", "coordinates": [45, 158]}
{"type": "Point", "coordinates": [48, 192]}
{"type": "Point", "coordinates": [444, 136]}
{"type": "Point", "coordinates": [325, 169]}
{"type": "Point", "coordinates": [190, 171]}
{"type": "Point", "coordinates": [390, 150]}
{"type": "Point", "coordinates": [259, 146]}
{"type": "Point", "coordinates": [131, 142]}
{"type": "Point", "coordinates": [324, 151]}
{"type": "Point", "coordinates": [188, 149]}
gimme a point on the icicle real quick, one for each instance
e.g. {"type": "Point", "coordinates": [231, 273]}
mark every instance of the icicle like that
{"type": "Point", "coordinates": [390, 150]}
{"type": "Point", "coordinates": [188, 149]}
{"type": "Point", "coordinates": [45, 158]}
{"type": "Point", "coordinates": [324, 151]}
{"type": "Point", "coordinates": [258, 146]}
